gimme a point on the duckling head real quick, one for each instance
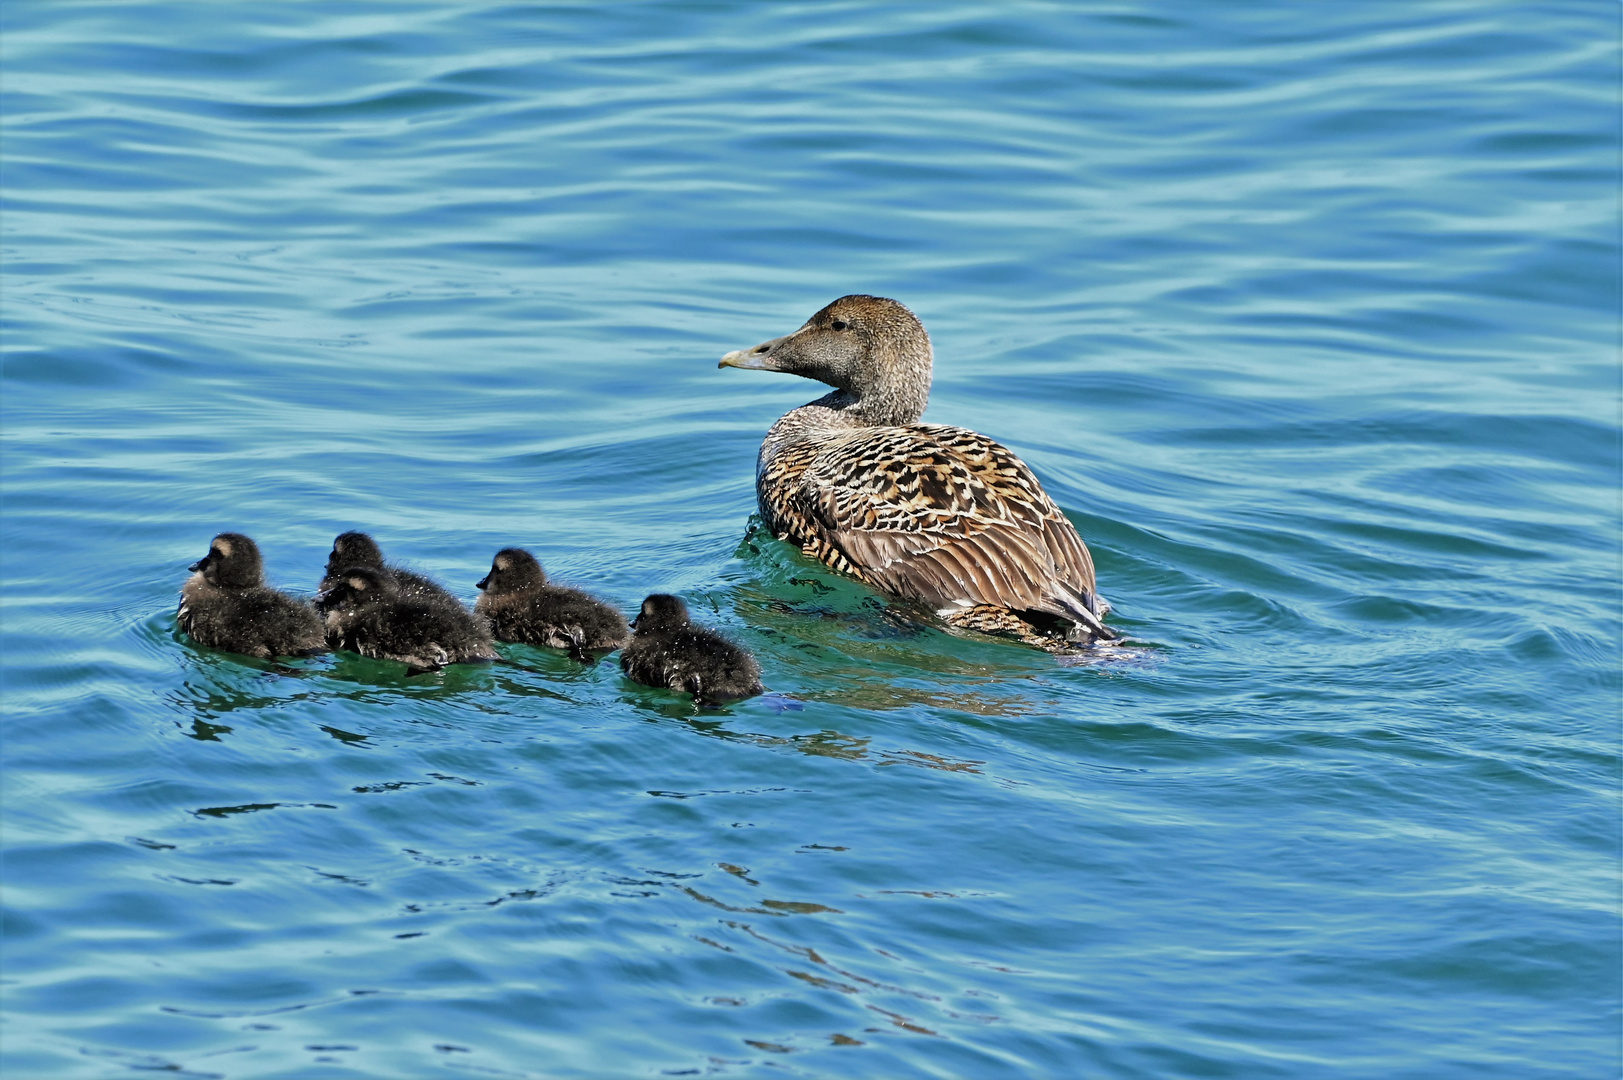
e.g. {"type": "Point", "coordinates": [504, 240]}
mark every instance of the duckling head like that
{"type": "Point", "coordinates": [357, 587]}
{"type": "Point", "coordinates": [233, 562]}
{"type": "Point", "coordinates": [871, 347]}
{"type": "Point", "coordinates": [512, 570]}
{"type": "Point", "coordinates": [354, 549]}
{"type": "Point", "coordinates": [661, 611]}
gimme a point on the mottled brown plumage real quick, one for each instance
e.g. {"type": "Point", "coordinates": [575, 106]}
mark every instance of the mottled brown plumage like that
{"type": "Point", "coordinates": [926, 512]}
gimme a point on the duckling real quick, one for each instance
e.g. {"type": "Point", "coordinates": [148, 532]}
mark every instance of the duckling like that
{"type": "Point", "coordinates": [669, 651]}
{"type": "Point", "coordinates": [522, 606]}
{"type": "Point", "coordinates": [225, 604]}
{"type": "Point", "coordinates": [359, 549]}
{"type": "Point", "coordinates": [368, 613]}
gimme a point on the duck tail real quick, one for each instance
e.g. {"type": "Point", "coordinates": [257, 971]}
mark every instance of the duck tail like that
{"type": "Point", "coordinates": [1081, 606]}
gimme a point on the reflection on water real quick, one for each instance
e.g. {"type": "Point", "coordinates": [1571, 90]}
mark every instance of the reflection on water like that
{"type": "Point", "coordinates": [205, 731]}
{"type": "Point", "coordinates": [222, 685]}
{"type": "Point", "coordinates": [221, 694]}
{"type": "Point", "coordinates": [826, 744]}
{"type": "Point", "coordinates": [838, 978]}
{"type": "Point", "coordinates": [253, 808]}
{"type": "Point", "coordinates": [348, 738]}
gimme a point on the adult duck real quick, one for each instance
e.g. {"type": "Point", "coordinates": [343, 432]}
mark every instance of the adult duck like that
{"type": "Point", "coordinates": [926, 512]}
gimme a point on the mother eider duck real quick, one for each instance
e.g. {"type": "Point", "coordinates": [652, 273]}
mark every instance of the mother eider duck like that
{"type": "Point", "coordinates": [925, 512]}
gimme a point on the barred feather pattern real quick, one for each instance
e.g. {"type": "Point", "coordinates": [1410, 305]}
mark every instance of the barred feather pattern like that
{"type": "Point", "coordinates": [932, 513]}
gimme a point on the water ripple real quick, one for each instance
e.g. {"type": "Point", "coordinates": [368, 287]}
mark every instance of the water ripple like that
{"type": "Point", "coordinates": [1307, 320]}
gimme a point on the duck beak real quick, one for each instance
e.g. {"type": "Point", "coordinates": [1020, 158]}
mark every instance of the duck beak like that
{"type": "Point", "coordinates": [756, 359]}
{"type": "Point", "coordinates": [482, 582]}
{"type": "Point", "coordinates": [198, 565]}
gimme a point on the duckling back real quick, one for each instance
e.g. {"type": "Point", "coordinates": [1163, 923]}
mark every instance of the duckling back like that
{"type": "Point", "coordinates": [367, 613]}
{"type": "Point", "coordinates": [669, 651]}
{"type": "Point", "coordinates": [226, 605]}
{"type": "Point", "coordinates": [523, 606]}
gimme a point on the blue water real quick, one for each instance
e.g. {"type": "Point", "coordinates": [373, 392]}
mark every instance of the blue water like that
{"type": "Point", "coordinates": [1306, 314]}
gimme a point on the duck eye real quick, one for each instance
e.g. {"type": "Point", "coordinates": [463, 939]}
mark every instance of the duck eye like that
{"type": "Point", "coordinates": [837, 324]}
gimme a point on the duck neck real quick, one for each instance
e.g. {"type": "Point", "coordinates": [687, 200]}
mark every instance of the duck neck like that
{"type": "Point", "coordinates": [885, 404]}
{"type": "Point", "coordinates": [890, 385]}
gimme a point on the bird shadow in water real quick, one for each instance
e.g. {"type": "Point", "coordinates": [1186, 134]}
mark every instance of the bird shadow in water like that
{"type": "Point", "coordinates": [825, 743]}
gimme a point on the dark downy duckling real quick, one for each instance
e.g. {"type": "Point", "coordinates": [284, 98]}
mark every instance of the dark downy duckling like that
{"type": "Point", "coordinates": [669, 651]}
{"type": "Point", "coordinates": [359, 549]}
{"type": "Point", "coordinates": [367, 613]}
{"type": "Point", "coordinates": [225, 604]}
{"type": "Point", "coordinates": [523, 607]}
{"type": "Point", "coordinates": [925, 512]}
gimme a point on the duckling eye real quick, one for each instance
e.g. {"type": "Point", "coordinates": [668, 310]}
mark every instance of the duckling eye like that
{"type": "Point", "coordinates": [837, 324]}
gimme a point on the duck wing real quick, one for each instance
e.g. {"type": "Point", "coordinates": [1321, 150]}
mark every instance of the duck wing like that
{"type": "Point", "coordinates": [947, 516]}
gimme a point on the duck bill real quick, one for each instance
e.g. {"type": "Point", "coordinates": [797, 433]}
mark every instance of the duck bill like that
{"type": "Point", "coordinates": [198, 565]}
{"type": "Point", "coordinates": [756, 359]}
{"type": "Point", "coordinates": [482, 582]}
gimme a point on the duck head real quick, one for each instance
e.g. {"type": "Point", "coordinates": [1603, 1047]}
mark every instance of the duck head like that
{"type": "Point", "coordinates": [871, 348]}
{"type": "Point", "coordinates": [233, 562]}
{"type": "Point", "coordinates": [354, 549]}
{"type": "Point", "coordinates": [661, 611]}
{"type": "Point", "coordinates": [512, 570]}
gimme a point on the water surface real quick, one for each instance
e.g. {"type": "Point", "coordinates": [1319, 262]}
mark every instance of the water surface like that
{"type": "Point", "coordinates": [1307, 316]}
